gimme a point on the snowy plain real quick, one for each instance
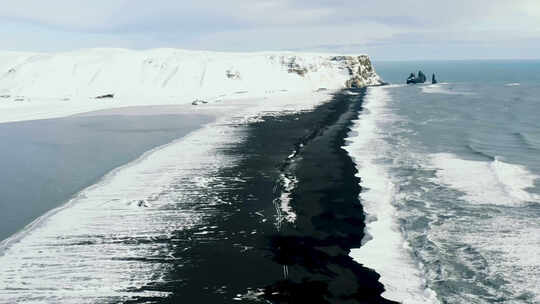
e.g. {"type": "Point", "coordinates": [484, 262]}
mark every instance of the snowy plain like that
{"type": "Point", "coordinates": [40, 85]}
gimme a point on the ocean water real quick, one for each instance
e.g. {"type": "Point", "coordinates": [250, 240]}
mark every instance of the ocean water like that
{"type": "Point", "coordinates": [451, 178]}
{"type": "Point", "coordinates": [46, 162]}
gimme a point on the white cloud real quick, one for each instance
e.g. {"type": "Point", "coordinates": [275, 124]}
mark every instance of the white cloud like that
{"type": "Point", "coordinates": [267, 24]}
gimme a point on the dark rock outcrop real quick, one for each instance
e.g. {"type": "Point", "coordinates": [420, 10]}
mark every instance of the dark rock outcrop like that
{"type": "Point", "coordinates": [413, 79]}
{"type": "Point", "coordinates": [197, 102]}
{"type": "Point", "coordinates": [232, 74]}
{"type": "Point", "coordinates": [421, 77]}
{"type": "Point", "coordinates": [296, 65]}
{"type": "Point", "coordinates": [105, 96]}
{"type": "Point", "coordinates": [360, 70]}
{"type": "Point", "coordinates": [433, 79]}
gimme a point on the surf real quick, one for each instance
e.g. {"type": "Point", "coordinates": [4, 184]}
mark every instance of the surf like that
{"type": "Point", "coordinates": [103, 243]}
{"type": "Point", "coordinates": [384, 248]}
{"type": "Point", "coordinates": [485, 182]}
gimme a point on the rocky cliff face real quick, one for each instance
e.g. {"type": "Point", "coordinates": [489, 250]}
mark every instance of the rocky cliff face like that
{"type": "Point", "coordinates": [360, 70]}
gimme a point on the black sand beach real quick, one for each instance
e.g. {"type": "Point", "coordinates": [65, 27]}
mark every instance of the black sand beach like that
{"type": "Point", "coordinates": [246, 256]}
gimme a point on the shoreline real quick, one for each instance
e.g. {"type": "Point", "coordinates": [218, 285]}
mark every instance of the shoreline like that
{"type": "Point", "coordinates": [331, 219]}
{"type": "Point", "coordinates": [59, 170]}
{"type": "Point", "coordinates": [106, 219]}
{"type": "Point", "coordinates": [125, 106]}
{"type": "Point", "coordinates": [243, 253]}
{"type": "Point", "coordinates": [225, 244]}
{"type": "Point", "coordinates": [384, 248]}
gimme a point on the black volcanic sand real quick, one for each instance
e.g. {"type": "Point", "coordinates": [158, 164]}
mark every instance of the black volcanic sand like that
{"type": "Point", "coordinates": [245, 258]}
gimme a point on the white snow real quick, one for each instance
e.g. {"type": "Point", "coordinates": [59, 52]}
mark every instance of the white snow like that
{"type": "Point", "coordinates": [37, 86]}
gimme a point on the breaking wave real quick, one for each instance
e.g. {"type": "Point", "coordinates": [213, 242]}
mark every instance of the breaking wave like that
{"type": "Point", "coordinates": [442, 88]}
{"type": "Point", "coordinates": [384, 249]}
{"type": "Point", "coordinates": [104, 245]}
{"type": "Point", "coordinates": [486, 182]}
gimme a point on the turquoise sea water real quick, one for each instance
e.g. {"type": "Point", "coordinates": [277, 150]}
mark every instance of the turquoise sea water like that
{"type": "Point", "coordinates": [464, 156]}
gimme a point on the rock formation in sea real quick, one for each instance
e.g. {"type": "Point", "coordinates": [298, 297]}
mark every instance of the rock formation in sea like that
{"type": "Point", "coordinates": [433, 79]}
{"type": "Point", "coordinates": [413, 79]}
{"type": "Point", "coordinates": [422, 77]}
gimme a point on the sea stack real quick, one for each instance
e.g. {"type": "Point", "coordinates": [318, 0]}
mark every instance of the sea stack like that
{"type": "Point", "coordinates": [413, 79]}
{"type": "Point", "coordinates": [421, 77]}
{"type": "Point", "coordinates": [433, 79]}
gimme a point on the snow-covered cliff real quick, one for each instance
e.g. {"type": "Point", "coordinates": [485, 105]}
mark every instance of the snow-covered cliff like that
{"type": "Point", "coordinates": [171, 76]}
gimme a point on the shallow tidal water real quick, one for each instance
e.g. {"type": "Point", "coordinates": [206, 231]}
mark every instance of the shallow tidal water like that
{"type": "Point", "coordinates": [46, 162]}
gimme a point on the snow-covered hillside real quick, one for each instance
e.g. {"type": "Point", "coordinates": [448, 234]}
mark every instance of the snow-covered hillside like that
{"type": "Point", "coordinates": [166, 76]}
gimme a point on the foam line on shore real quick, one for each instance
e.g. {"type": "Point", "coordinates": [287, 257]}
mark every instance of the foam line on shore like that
{"type": "Point", "coordinates": [105, 244]}
{"type": "Point", "coordinates": [100, 243]}
{"type": "Point", "coordinates": [384, 248]}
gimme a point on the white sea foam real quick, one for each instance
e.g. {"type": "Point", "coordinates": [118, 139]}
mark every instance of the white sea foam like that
{"type": "Point", "coordinates": [511, 244]}
{"type": "Point", "coordinates": [513, 84]}
{"type": "Point", "coordinates": [385, 249]}
{"type": "Point", "coordinates": [285, 209]}
{"type": "Point", "coordinates": [100, 247]}
{"type": "Point", "coordinates": [482, 182]}
{"type": "Point", "coordinates": [441, 88]}
{"type": "Point", "coordinates": [500, 247]}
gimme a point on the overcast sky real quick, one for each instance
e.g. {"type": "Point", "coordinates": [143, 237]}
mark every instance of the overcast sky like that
{"type": "Point", "coordinates": [385, 29]}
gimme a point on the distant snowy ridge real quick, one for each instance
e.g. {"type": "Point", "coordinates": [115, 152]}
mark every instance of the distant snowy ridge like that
{"type": "Point", "coordinates": [171, 73]}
